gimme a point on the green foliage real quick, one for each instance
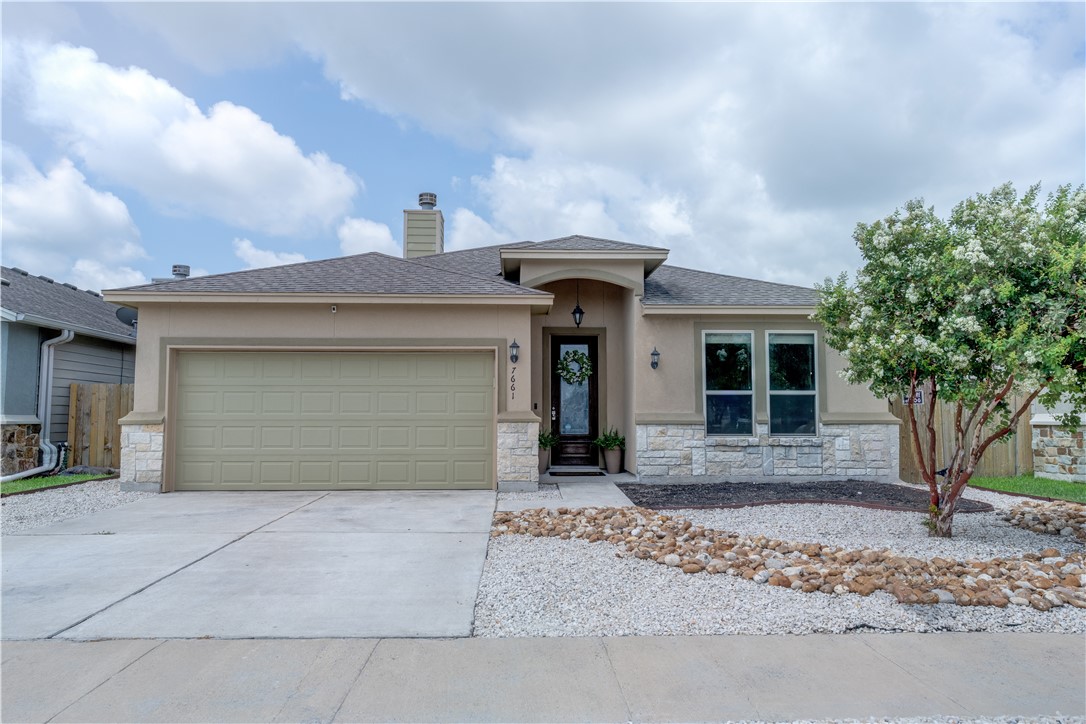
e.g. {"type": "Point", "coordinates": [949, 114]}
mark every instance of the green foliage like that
{"type": "Point", "coordinates": [992, 293]}
{"type": "Point", "coordinates": [976, 308]}
{"type": "Point", "coordinates": [610, 439]}
{"type": "Point", "coordinates": [50, 481]}
{"type": "Point", "coordinates": [547, 439]}
{"type": "Point", "coordinates": [1029, 485]}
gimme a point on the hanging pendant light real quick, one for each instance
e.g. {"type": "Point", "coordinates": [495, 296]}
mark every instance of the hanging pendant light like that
{"type": "Point", "coordinates": [578, 313]}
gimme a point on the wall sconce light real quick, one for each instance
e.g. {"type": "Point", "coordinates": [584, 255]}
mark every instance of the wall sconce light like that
{"type": "Point", "coordinates": [654, 358]}
{"type": "Point", "coordinates": [514, 352]}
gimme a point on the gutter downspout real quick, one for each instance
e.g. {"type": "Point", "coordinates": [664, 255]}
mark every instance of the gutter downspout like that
{"type": "Point", "coordinates": [45, 393]}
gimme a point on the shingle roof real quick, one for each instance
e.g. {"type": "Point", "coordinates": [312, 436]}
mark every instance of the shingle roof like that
{"type": "Point", "coordinates": [371, 273]}
{"type": "Point", "coordinates": [63, 304]}
{"type": "Point", "coordinates": [672, 285]}
{"type": "Point", "coordinates": [589, 243]}
{"type": "Point", "coordinates": [479, 271]}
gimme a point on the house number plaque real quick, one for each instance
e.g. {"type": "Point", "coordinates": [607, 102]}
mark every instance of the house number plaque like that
{"type": "Point", "coordinates": [513, 383]}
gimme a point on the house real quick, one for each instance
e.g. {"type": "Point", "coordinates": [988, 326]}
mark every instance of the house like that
{"type": "Point", "coordinates": [53, 334]}
{"type": "Point", "coordinates": [438, 370]}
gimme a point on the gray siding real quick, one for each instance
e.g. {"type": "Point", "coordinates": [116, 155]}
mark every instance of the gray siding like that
{"type": "Point", "coordinates": [21, 352]}
{"type": "Point", "coordinates": [85, 359]}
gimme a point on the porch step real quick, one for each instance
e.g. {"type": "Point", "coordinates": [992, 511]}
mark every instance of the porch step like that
{"type": "Point", "coordinates": [574, 470]}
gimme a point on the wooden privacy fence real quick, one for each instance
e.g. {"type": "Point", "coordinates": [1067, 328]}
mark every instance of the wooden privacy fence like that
{"type": "Point", "coordinates": [94, 437]}
{"type": "Point", "coordinates": [1012, 456]}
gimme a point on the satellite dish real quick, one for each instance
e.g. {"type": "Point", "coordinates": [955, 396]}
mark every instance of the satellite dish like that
{"type": "Point", "coordinates": [127, 315]}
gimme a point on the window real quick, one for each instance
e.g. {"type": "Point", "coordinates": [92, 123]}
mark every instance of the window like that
{"type": "Point", "coordinates": [792, 394]}
{"type": "Point", "coordinates": [729, 396]}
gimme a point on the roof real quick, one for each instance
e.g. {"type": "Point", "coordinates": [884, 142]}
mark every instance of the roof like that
{"type": "Point", "coordinates": [371, 273]}
{"type": "Point", "coordinates": [672, 285]}
{"type": "Point", "coordinates": [585, 243]}
{"type": "Point", "coordinates": [43, 302]}
{"type": "Point", "coordinates": [478, 271]}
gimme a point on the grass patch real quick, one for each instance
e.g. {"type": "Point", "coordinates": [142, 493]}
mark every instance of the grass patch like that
{"type": "Point", "coordinates": [1029, 485]}
{"type": "Point", "coordinates": [49, 481]}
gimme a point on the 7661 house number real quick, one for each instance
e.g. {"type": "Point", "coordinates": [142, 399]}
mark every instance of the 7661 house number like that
{"type": "Point", "coordinates": [513, 383]}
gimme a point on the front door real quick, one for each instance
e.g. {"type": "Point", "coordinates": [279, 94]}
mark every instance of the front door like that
{"type": "Point", "coordinates": [574, 404]}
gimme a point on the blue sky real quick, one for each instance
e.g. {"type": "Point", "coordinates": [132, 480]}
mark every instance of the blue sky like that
{"type": "Point", "coordinates": [747, 138]}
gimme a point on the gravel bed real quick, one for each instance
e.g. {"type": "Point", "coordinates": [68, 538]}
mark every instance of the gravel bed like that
{"type": "Point", "coordinates": [552, 587]}
{"type": "Point", "coordinates": [24, 512]}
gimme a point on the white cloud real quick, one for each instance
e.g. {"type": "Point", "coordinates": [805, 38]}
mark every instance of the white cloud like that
{"type": "Point", "coordinates": [52, 219]}
{"type": "Point", "coordinates": [137, 130]}
{"type": "Point", "coordinates": [94, 275]}
{"type": "Point", "coordinates": [260, 258]}
{"type": "Point", "coordinates": [468, 230]}
{"type": "Point", "coordinates": [748, 138]}
{"type": "Point", "coordinates": [358, 236]}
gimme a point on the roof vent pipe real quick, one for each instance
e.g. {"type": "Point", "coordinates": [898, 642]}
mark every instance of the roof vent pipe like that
{"type": "Point", "coordinates": [181, 271]}
{"type": "Point", "coordinates": [427, 200]}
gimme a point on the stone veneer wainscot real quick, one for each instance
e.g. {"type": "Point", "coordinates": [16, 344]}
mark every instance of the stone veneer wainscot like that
{"type": "Point", "coordinates": [1058, 454]}
{"type": "Point", "coordinates": [20, 447]}
{"type": "Point", "coordinates": [141, 457]}
{"type": "Point", "coordinates": [518, 455]}
{"type": "Point", "coordinates": [868, 451]}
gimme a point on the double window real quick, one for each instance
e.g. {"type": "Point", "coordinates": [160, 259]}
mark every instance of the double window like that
{"type": "Point", "coordinates": [730, 383]}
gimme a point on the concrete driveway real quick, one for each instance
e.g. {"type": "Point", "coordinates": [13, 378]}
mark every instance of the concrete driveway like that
{"type": "Point", "coordinates": [253, 565]}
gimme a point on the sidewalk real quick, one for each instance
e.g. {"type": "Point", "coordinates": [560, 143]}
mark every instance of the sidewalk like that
{"type": "Point", "coordinates": [710, 678]}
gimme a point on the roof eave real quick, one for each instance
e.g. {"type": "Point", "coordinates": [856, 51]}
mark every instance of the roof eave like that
{"type": "Point", "coordinates": [38, 321]}
{"type": "Point", "coordinates": [731, 310]}
{"type": "Point", "coordinates": [512, 257]}
{"type": "Point", "coordinates": [134, 299]}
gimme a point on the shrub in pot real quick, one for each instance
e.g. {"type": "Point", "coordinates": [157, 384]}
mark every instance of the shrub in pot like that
{"type": "Point", "coordinates": [547, 440]}
{"type": "Point", "coordinates": [611, 443]}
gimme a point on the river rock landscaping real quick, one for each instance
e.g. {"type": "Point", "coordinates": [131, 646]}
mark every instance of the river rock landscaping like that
{"type": "Point", "coordinates": [1043, 580]}
{"type": "Point", "coordinates": [1055, 518]}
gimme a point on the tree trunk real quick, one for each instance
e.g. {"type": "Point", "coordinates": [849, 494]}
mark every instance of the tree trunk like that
{"type": "Point", "coordinates": [941, 522]}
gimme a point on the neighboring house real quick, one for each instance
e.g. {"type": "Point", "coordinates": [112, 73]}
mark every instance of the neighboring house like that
{"type": "Point", "coordinates": [1058, 454]}
{"type": "Point", "coordinates": [53, 334]}
{"type": "Point", "coordinates": [438, 370]}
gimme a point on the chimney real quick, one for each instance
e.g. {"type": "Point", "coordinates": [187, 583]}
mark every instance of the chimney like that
{"type": "Point", "coordinates": [179, 271]}
{"type": "Point", "coordinates": [423, 228]}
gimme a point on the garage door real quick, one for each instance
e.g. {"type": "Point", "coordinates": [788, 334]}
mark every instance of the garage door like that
{"type": "Point", "coordinates": [328, 421]}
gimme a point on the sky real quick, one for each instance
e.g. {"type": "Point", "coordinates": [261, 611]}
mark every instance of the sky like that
{"type": "Point", "coordinates": [749, 139]}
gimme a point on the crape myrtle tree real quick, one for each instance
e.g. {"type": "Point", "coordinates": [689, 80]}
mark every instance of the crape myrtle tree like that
{"type": "Point", "coordinates": [981, 310]}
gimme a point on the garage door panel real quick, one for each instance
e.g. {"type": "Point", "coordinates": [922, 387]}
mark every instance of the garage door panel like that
{"type": "Point", "coordinates": [251, 420]}
{"type": "Point", "coordinates": [315, 438]}
{"type": "Point", "coordinates": [356, 403]}
{"type": "Point", "coordinates": [273, 403]}
{"type": "Point", "coordinates": [355, 438]}
{"type": "Point", "coordinates": [277, 438]}
{"type": "Point", "coordinates": [318, 403]}
{"type": "Point", "coordinates": [432, 438]}
{"type": "Point", "coordinates": [239, 403]}
{"type": "Point", "coordinates": [239, 438]}
{"type": "Point", "coordinates": [200, 403]}
{"type": "Point", "coordinates": [240, 367]}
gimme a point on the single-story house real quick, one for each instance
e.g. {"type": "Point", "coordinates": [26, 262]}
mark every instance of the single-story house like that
{"type": "Point", "coordinates": [439, 369]}
{"type": "Point", "coordinates": [53, 334]}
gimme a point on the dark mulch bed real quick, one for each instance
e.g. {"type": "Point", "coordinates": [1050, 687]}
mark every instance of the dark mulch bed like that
{"type": "Point", "coordinates": [737, 495]}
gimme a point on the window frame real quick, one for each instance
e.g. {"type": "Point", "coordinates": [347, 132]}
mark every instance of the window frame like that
{"type": "Point", "coordinates": [752, 392]}
{"type": "Point", "coordinates": [811, 393]}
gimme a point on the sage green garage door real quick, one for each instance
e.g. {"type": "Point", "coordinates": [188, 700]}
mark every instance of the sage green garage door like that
{"type": "Point", "coordinates": [334, 421]}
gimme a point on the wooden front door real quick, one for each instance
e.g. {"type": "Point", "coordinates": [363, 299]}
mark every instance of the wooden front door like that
{"type": "Point", "coordinates": [574, 407]}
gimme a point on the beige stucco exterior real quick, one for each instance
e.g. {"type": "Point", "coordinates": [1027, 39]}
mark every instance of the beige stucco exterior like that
{"type": "Point", "coordinates": [660, 411]}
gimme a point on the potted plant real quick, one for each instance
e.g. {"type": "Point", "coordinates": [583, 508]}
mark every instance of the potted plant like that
{"type": "Point", "coordinates": [611, 443]}
{"type": "Point", "coordinates": [547, 440]}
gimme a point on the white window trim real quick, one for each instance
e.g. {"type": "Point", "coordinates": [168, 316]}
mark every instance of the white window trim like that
{"type": "Point", "coordinates": [769, 390]}
{"type": "Point", "coordinates": [705, 391]}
